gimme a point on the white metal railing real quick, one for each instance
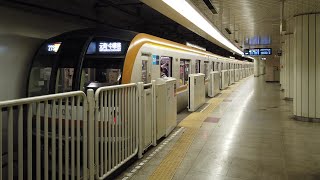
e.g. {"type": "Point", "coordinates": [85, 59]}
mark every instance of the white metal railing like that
{"type": "Point", "coordinates": [52, 137]}
{"type": "Point", "coordinates": [117, 130]}
{"type": "Point", "coordinates": [76, 135]}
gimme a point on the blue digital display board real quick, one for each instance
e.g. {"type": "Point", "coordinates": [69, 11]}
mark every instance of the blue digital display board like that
{"type": "Point", "coordinates": [265, 51]}
{"type": "Point", "coordinates": [106, 47]}
{"type": "Point", "coordinates": [258, 51]}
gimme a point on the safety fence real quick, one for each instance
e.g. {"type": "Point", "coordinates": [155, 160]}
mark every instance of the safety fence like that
{"type": "Point", "coordinates": [116, 127]}
{"type": "Point", "coordinates": [76, 135]}
{"type": "Point", "coordinates": [44, 137]}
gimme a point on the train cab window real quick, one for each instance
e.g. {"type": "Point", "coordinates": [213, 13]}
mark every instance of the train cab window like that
{"type": "Point", "coordinates": [39, 80]}
{"type": "Point", "coordinates": [206, 69]}
{"type": "Point", "coordinates": [184, 71]}
{"type": "Point", "coordinates": [64, 80]}
{"type": "Point", "coordinates": [101, 72]}
{"type": "Point", "coordinates": [165, 66]}
{"type": "Point", "coordinates": [198, 63]}
{"type": "Point", "coordinates": [103, 63]}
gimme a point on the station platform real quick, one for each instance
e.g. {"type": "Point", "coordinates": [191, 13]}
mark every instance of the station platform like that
{"type": "Point", "coordinates": [246, 132]}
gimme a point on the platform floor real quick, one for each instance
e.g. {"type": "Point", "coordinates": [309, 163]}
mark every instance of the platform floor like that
{"type": "Point", "coordinates": [245, 133]}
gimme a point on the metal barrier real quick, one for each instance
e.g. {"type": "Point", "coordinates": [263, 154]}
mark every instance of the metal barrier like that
{"type": "Point", "coordinates": [52, 137]}
{"type": "Point", "coordinates": [77, 136]}
{"type": "Point", "coordinates": [117, 131]}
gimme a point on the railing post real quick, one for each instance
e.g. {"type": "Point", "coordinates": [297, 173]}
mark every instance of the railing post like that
{"type": "Point", "coordinates": [91, 108]}
{"type": "Point", "coordinates": [140, 91]}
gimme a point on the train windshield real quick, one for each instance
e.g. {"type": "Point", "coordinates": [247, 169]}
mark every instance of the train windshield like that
{"type": "Point", "coordinates": [41, 70]}
{"type": "Point", "coordinates": [55, 67]}
{"type": "Point", "coordinates": [73, 64]}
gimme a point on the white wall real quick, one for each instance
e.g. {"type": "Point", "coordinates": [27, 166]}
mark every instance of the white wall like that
{"type": "Point", "coordinates": [21, 33]}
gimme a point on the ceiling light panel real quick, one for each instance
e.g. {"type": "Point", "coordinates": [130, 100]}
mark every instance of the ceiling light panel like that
{"type": "Point", "coordinates": [190, 13]}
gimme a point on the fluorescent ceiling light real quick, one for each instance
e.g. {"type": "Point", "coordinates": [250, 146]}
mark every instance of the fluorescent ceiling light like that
{"type": "Point", "coordinates": [186, 10]}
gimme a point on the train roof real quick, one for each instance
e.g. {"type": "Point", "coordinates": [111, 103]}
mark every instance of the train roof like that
{"type": "Point", "coordinates": [108, 32]}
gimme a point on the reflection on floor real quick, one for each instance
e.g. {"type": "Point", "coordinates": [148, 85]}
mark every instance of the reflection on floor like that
{"type": "Point", "coordinates": [248, 136]}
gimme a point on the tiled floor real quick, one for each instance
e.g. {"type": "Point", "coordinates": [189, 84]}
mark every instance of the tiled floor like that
{"type": "Point", "coordinates": [253, 139]}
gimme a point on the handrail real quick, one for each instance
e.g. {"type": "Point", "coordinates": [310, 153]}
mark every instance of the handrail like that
{"type": "Point", "coordinates": [112, 87]}
{"type": "Point", "coordinates": [17, 102]}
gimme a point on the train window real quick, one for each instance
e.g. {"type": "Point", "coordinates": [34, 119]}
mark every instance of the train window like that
{"type": "Point", "coordinates": [64, 77]}
{"type": "Point", "coordinates": [213, 66]}
{"type": "Point", "coordinates": [217, 66]}
{"type": "Point", "coordinates": [184, 71]}
{"type": "Point", "coordinates": [206, 69]}
{"type": "Point", "coordinates": [144, 71]}
{"type": "Point", "coordinates": [198, 62]}
{"type": "Point", "coordinates": [165, 66]}
{"type": "Point", "coordinates": [98, 72]}
{"type": "Point", "coordinates": [98, 77]}
{"type": "Point", "coordinates": [39, 81]}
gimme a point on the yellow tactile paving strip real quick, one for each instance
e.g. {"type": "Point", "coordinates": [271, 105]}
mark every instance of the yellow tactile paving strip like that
{"type": "Point", "coordinates": [167, 167]}
{"type": "Point", "coordinates": [191, 123]}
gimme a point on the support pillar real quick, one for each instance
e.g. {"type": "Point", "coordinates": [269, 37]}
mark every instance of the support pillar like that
{"type": "Point", "coordinates": [288, 67]}
{"type": "Point", "coordinates": [256, 67]}
{"type": "Point", "coordinates": [306, 99]}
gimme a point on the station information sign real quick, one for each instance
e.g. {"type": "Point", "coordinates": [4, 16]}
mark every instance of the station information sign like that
{"type": "Point", "coordinates": [265, 51]}
{"type": "Point", "coordinates": [110, 47]}
{"type": "Point", "coordinates": [107, 47]}
{"type": "Point", "coordinates": [258, 51]}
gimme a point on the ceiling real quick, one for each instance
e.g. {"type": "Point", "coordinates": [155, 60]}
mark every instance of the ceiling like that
{"type": "Point", "coordinates": [253, 23]}
{"type": "Point", "coordinates": [126, 14]}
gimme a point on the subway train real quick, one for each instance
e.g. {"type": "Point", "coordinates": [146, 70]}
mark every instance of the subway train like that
{"type": "Point", "coordinates": [95, 57]}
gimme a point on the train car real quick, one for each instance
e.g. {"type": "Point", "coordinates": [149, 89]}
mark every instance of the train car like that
{"type": "Point", "coordinates": [92, 58]}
